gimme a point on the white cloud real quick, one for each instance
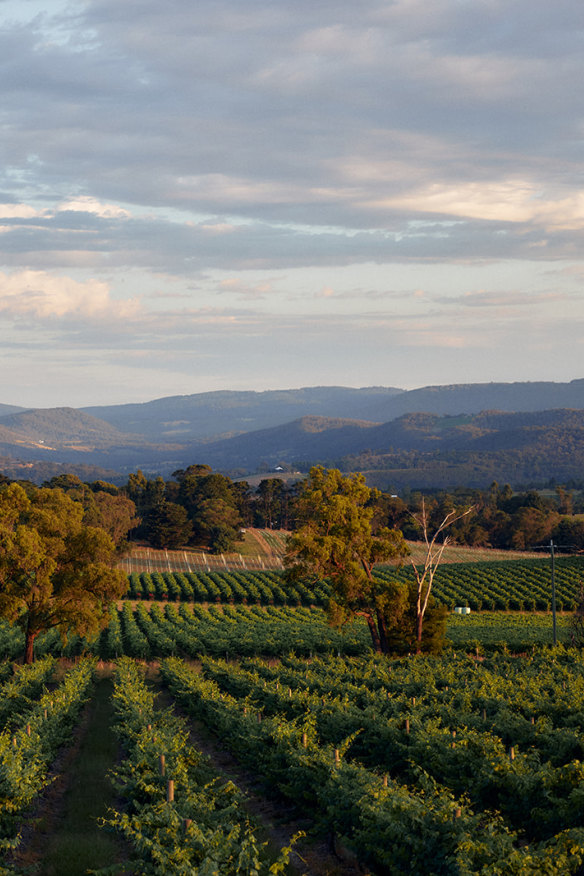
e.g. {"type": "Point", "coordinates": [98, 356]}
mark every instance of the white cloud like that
{"type": "Point", "coordinates": [87, 204]}
{"type": "Point", "coordinates": [18, 211]}
{"type": "Point", "coordinates": [42, 297]}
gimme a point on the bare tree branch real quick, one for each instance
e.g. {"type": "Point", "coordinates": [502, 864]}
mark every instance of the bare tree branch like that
{"type": "Point", "coordinates": [434, 552]}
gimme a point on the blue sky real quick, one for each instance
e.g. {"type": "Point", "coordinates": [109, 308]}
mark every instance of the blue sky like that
{"type": "Point", "coordinates": [242, 194]}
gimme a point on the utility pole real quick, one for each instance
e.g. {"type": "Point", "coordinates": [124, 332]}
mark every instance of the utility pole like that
{"type": "Point", "coordinates": [553, 569]}
{"type": "Point", "coordinates": [552, 550]}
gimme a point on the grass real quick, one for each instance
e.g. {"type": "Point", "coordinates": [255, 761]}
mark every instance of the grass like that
{"type": "Point", "coordinates": [514, 630]}
{"type": "Point", "coordinates": [76, 842]}
{"type": "Point", "coordinates": [462, 554]}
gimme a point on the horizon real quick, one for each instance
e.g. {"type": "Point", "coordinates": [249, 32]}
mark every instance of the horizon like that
{"type": "Point", "coordinates": [286, 389]}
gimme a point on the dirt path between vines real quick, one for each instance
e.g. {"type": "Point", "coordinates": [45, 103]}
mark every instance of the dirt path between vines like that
{"type": "Point", "coordinates": [278, 820]}
{"type": "Point", "coordinates": [60, 835]}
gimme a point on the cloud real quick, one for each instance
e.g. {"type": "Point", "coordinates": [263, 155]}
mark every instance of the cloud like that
{"type": "Point", "coordinates": [87, 204]}
{"type": "Point", "coordinates": [17, 211]}
{"type": "Point", "coordinates": [201, 170]}
{"type": "Point", "coordinates": [312, 116]}
{"type": "Point", "coordinates": [508, 299]}
{"type": "Point", "coordinates": [236, 286]}
{"type": "Point", "coordinates": [42, 297]}
{"type": "Point", "coordinates": [510, 200]}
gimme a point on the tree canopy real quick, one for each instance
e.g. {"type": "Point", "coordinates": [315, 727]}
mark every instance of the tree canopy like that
{"type": "Point", "coordinates": [335, 539]}
{"type": "Point", "coordinates": [55, 571]}
{"type": "Point", "coordinates": [103, 505]}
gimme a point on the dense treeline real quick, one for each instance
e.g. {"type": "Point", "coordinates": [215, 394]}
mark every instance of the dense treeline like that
{"type": "Point", "coordinates": [502, 518]}
{"type": "Point", "coordinates": [200, 507]}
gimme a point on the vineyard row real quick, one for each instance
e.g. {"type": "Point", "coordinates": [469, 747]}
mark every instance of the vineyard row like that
{"type": "Point", "coordinates": [514, 585]}
{"type": "Point", "coordinates": [158, 630]}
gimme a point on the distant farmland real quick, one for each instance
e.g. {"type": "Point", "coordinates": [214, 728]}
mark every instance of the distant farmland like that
{"type": "Point", "coordinates": [265, 548]}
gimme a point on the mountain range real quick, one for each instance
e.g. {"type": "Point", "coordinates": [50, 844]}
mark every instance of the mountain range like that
{"type": "Point", "coordinates": [439, 435]}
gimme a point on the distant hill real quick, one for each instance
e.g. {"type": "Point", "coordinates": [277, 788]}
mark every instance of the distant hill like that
{"type": "Point", "coordinates": [438, 435]}
{"type": "Point", "coordinates": [306, 439]}
{"type": "Point", "coordinates": [5, 410]}
{"type": "Point", "coordinates": [42, 470]}
{"type": "Point", "coordinates": [36, 444]}
{"type": "Point", "coordinates": [59, 428]}
{"type": "Point", "coordinates": [422, 449]}
{"type": "Point", "coordinates": [211, 415]}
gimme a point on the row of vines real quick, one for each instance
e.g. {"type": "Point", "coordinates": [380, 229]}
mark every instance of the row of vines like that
{"type": "Point", "coordinates": [444, 765]}
{"type": "Point", "coordinates": [436, 766]}
{"type": "Point", "coordinates": [178, 817]}
{"type": "Point", "coordinates": [511, 585]}
{"type": "Point", "coordinates": [158, 630]}
{"type": "Point", "coordinates": [36, 719]}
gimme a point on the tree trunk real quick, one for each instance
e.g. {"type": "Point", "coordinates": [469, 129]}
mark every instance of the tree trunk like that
{"type": "Point", "coordinates": [29, 647]}
{"type": "Point", "coordinates": [374, 634]}
{"type": "Point", "coordinates": [382, 633]}
{"type": "Point", "coordinates": [419, 625]}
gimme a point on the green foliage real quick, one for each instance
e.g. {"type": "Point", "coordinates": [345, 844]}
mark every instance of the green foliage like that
{"type": "Point", "coordinates": [204, 828]}
{"type": "Point", "coordinates": [26, 751]}
{"type": "Point", "coordinates": [103, 505]}
{"type": "Point", "coordinates": [336, 540]}
{"type": "Point", "coordinates": [166, 525]}
{"type": "Point", "coordinates": [438, 729]}
{"type": "Point", "coordinates": [402, 638]}
{"type": "Point", "coordinates": [54, 570]}
{"type": "Point", "coordinates": [20, 691]}
{"type": "Point", "coordinates": [502, 585]}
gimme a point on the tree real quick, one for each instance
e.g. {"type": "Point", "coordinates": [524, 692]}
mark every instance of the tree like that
{"type": "Point", "coordinates": [335, 539]}
{"type": "Point", "coordinates": [115, 514]}
{"type": "Point", "coordinates": [532, 526]}
{"type": "Point", "coordinates": [103, 506]}
{"type": "Point", "coordinates": [212, 504]}
{"type": "Point", "coordinates": [402, 637]}
{"type": "Point", "coordinates": [54, 570]}
{"type": "Point", "coordinates": [217, 523]}
{"type": "Point", "coordinates": [167, 526]}
{"type": "Point", "coordinates": [270, 503]}
{"type": "Point", "coordinates": [435, 546]}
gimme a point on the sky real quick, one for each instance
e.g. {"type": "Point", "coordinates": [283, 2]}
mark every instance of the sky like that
{"type": "Point", "coordinates": [268, 194]}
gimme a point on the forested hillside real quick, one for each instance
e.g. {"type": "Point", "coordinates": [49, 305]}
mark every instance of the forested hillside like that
{"type": "Point", "coordinates": [466, 435]}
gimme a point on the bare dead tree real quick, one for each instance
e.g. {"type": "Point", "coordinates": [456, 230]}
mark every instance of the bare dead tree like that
{"type": "Point", "coordinates": [434, 550]}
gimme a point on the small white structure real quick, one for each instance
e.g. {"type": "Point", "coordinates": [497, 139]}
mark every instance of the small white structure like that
{"type": "Point", "coordinates": [462, 609]}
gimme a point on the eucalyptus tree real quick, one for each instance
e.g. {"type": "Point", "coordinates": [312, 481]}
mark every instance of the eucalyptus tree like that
{"type": "Point", "coordinates": [336, 539]}
{"type": "Point", "coordinates": [55, 571]}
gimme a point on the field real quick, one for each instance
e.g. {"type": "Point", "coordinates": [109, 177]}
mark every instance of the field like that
{"type": "Point", "coordinates": [260, 613]}
{"type": "Point", "coordinates": [260, 549]}
{"type": "Point", "coordinates": [448, 765]}
{"type": "Point", "coordinates": [467, 764]}
{"type": "Point", "coordinates": [516, 585]}
{"type": "Point", "coordinates": [265, 548]}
